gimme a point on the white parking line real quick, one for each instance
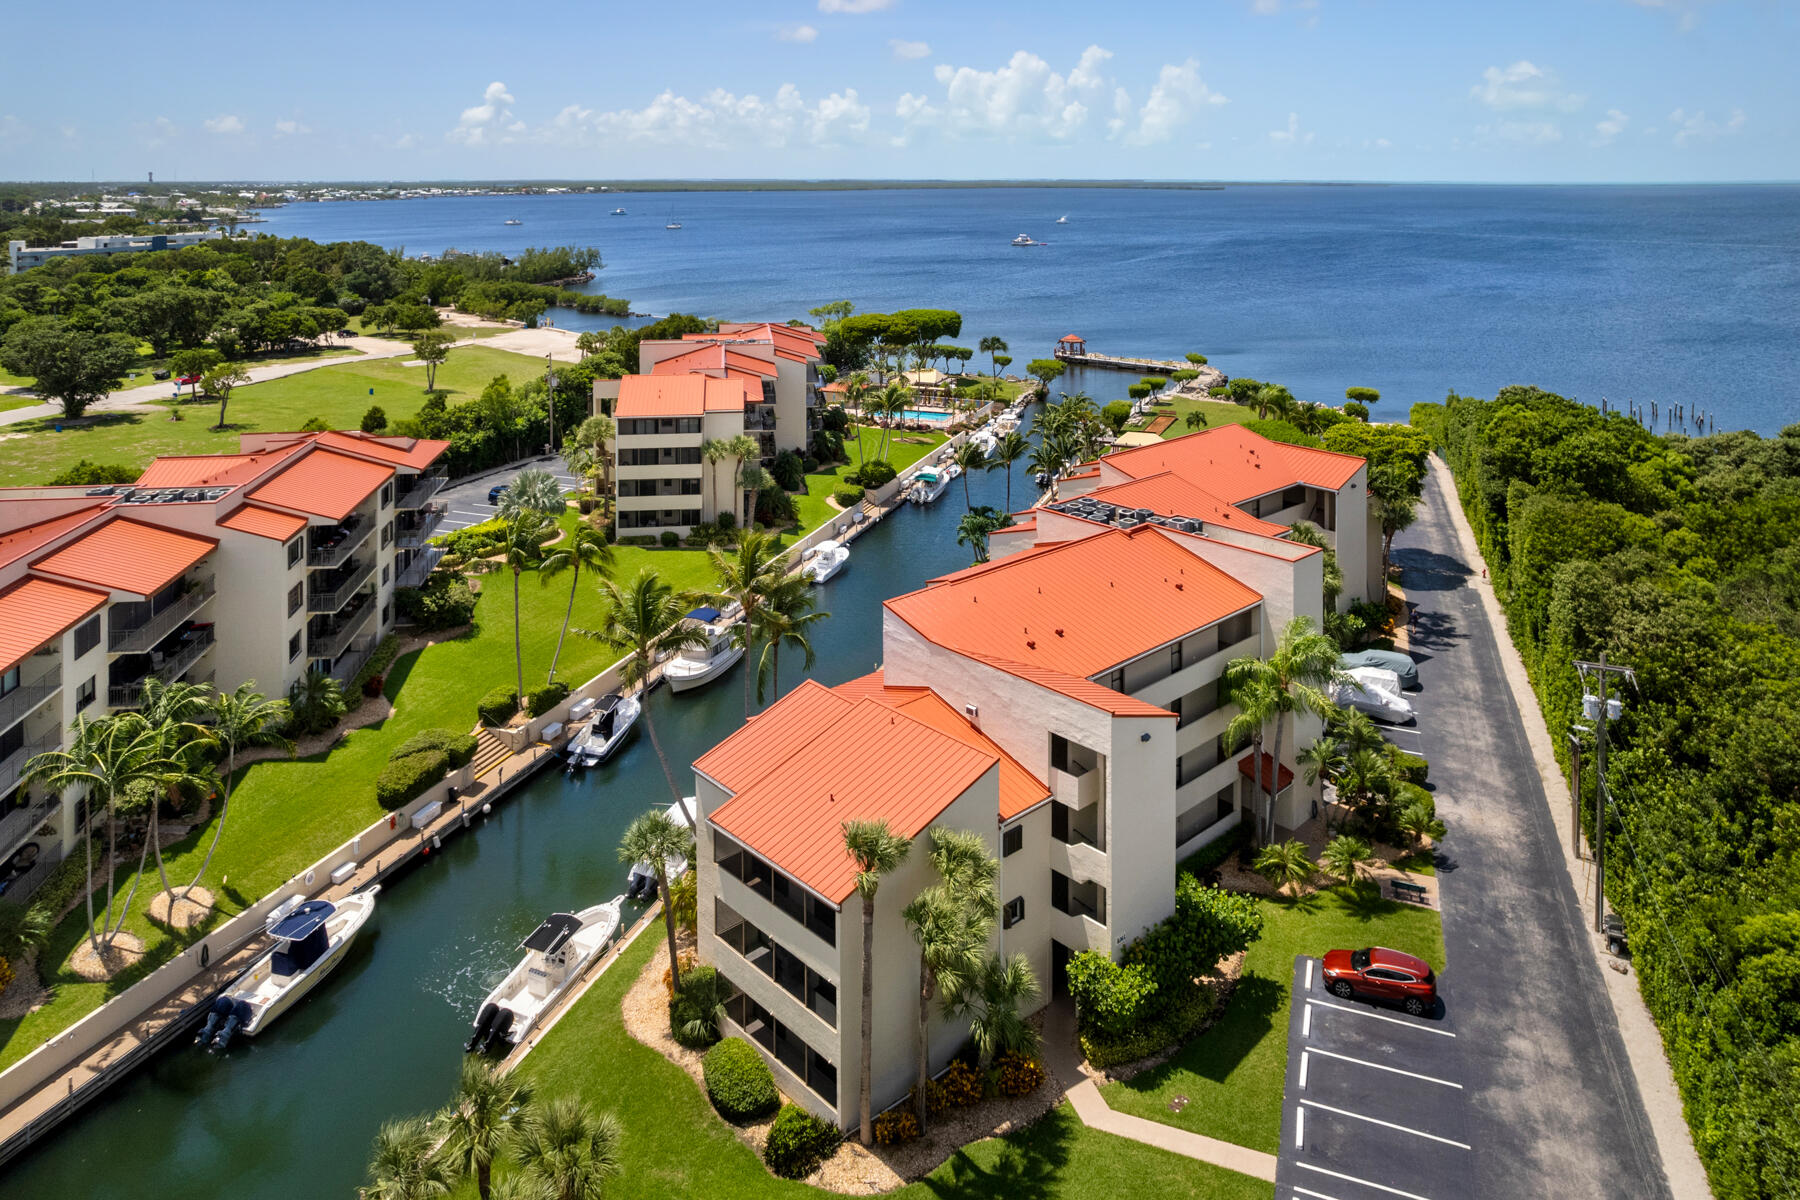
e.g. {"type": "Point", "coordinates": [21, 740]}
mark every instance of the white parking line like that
{"type": "Point", "coordinates": [1309, 967]}
{"type": "Point", "coordinates": [1299, 1129]}
{"type": "Point", "coordinates": [1378, 1016]}
{"type": "Point", "coordinates": [1306, 1021]}
{"type": "Point", "coordinates": [1344, 1112]}
{"type": "Point", "coordinates": [1380, 1187]}
{"type": "Point", "coordinates": [1363, 1062]}
{"type": "Point", "coordinates": [1300, 1191]}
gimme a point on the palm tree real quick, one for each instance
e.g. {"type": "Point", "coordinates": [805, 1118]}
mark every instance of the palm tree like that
{"type": "Point", "coordinates": [404, 1164]}
{"type": "Point", "coordinates": [655, 838]}
{"type": "Point", "coordinates": [951, 921]}
{"type": "Point", "coordinates": [1309, 418]}
{"type": "Point", "coordinates": [1009, 448]}
{"type": "Point", "coordinates": [784, 619]}
{"type": "Point", "coordinates": [593, 434]}
{"type": "Point", "coordinates": [1418, 820]}
{"type": "Point", "coordinates": [992, 1006]}
{"type": "Point", "coordinates": [241, 718]}
{"type": "Point", "coordinates": [993, 347]}
{"type": "Point", "coordinates": [1321, 760]}
{"type": "Point", "coordinates": [1365, 774]}
{"type": "Point", "coordinates": [584, 548]}
{"type": "Point", "coordinates": [747, 575]}
{"type": "Point", "coordinates": [750, 476]}
{"type": "Point", "coordinates": [877, 851]}
{"type": "Point", "coordinates": [975, 526]}
{"type": "Point", "coordinates": [647, 617]}
{"type": "Point", "coordinates": [175, 711]}
{"type": "Point", "coordinates": [890, 403]}
{"type": "Point", "coordinates": [23, 930]}
{"type": "Point", "coordinates": [970, 458]}
{"type": "Point", "coordinates": [1195, 418]}
{"type": "Point", "coordinates": [569, 1150]}
{"type": "Point", "coordinates": [1049, 458]}
{"type": "Point", "coordinates": [1285, 865]}
{"type": "Point", "coordinates": [524, 536]}
{"type": "Point", "coordinates": [713, 452]}
{"type": "Point", "coordinates": [1291, 680]}
{"type": "Point", "coordinates": [1343, 857]}
{"type": "Point", "coordinates": [486, 1113]}
{"type": "Point", "coordinates": [533, 489]}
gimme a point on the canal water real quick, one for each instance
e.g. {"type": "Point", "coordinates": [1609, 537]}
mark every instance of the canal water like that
{"type": "Point", "coordinates": [291, 1114]}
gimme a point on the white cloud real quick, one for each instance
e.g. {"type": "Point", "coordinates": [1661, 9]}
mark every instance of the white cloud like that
{"type": "Point", "coordinates": [225, 123]}
{"type": "Point", "coordinates": [406, 141]}
{"type": "Point", "coordinates": [1611, 127]}
{"type": "Point", "coordinates": [489, 121]}
{"type": "Point", "coordinates": [720, 120]}
{"type": "Point", "coordinates": [291, 128]}
{"type": "Point", "coordinates": [904, 49]}
{"type": "Point", "coordinates": [1292, 135]}
{"type": "Point", "coordinates": [1698, 127]}
{"type": "Point", "coordinates": [1023, 99]}
{"type": "Point", "coordinates": [1176, 97]}
{"type": "Point", "coordinates": [797, 33]}
{"type": "Point", "coordinates": [1524, 86]}
{"type": "Point", "coordinates": [159, 132]}
{"type": "Point", "coordinates": [854, 6]}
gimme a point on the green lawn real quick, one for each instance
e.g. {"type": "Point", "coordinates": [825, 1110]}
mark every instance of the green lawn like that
{"type": "Point", "coordinates": [1234, 1074]}
{"type": "Point", "coordinates": [904, 449]}
{"type": "Point", "coordinates": [338, 394]}
{"type": "Point", "coordinates": [675, 1145]}
{"type": "Point", "coordinates": [11, 402]}
{"type": "Point", "coordinates": [1218, 412]}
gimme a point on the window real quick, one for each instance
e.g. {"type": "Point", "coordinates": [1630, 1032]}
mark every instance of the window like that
{"type": "Point", "coordinates": [84, 695]}
{"type": "Point", "coordinates": [294, 647]}
{"type": "Point", "coordinates": [1116, 681]}
{"type": "Point", "coordinates": [387, 535]}
{"type": "Point", "coordinates": [818, 917]}
{"type": "Point", "coordinates": [384, 574]}
{"type": "Point", "coordinates": [1175, 658]}
{"type": "Point", "coordinates": [808, 1065]}
{"type": "Point", "coordinates": [87, 636]}
{"type": "Point", "coordinates": [387, 613]}
{"type": "Point", "coordinates": [296, 597]}
{"type": "Point", "coordinates": [1013, 913]}
{"type": "Point", "coordinates": [387, 493]}
{"type": "Point", "coordinates": [9, 682]}
{"type": "Point", "coordinates": [1012, 841]}
{"type": "Point", "coordinates": [296, 550]}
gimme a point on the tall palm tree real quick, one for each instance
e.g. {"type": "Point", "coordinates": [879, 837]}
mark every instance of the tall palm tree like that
{"type": "Point", "coordinates": [747, 454]}
{"type": "Point", "coordinates": [1009, 448]}
{"type": "Point", "coordinates": [647, 617]}
{"type": "Point", "coordinates": [785, 618]}
{"type": "Point", "coordinates": [877, 851]}
{"type": "Point", "coordinates": [569, 1150]}
{"type": "Point", "coordinates": [714, 451]}
{"type": "Point", "coordinates": [993, 347]}
{"type": "Point", "coordinates": [891, 402]}
{"type": "Point", "coordinates": [404, 1165]}
{"type": "Point", "coordinates": [655, 838]}
{"type": "Point", "coordinates": [752, 481]}
{"type": "Point", "coordinates": [1291, 680]}
{"type": "Point", "coordinates": [584, 548]}
{"type": "Point", "coordinates": [487, 1112]}
{"type": "Point", "coordinates": [533, 489]}
{"type": "Point", "coordinates": [951, 922]}
{"type": "Point", "coordinates": [175, 711]}
{"type": "Point", "coordinates": [747, 575]}
{"type": "Point", "coordinates": [523, 539]}
{"type": "Point", "coordinates": [975, 526]}
{"type": "Point", "coordinates": [591, 437]}
{"type": "Point", "coordinates": [970, 458]}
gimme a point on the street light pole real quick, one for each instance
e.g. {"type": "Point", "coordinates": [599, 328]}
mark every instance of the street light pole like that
{"type": "Point", "coordinates": [550, 398]}
{"type": "Point", "coordinates": [1600, 710]}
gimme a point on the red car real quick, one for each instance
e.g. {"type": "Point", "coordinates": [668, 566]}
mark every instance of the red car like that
{"type": "Point", "coordinates": [1382, 974]}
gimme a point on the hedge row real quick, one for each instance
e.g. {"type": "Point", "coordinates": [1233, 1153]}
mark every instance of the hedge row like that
{"type": "Point", "coordinates": [498, 706]}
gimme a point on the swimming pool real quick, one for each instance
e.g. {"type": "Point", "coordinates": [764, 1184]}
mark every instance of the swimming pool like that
{"type": "Point", "coordinates": [924, 414]}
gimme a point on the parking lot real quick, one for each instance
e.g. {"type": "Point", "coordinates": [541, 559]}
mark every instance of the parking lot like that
{"type": "Point", "coordinates": [1375, 1107]}
{"type": "Point", "coordinates": [466, 501]}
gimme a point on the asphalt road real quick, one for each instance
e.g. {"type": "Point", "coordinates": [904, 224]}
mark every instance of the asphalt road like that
{"type": "Point", "coordinates": [1553, 1106]}
{"type": "Point", "coordinates": [466, 501]}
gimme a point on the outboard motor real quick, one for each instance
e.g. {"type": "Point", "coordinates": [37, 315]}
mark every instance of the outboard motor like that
{"type": "Point", "coordinates": [634, 886]}
{"type": "Point", "coordinates": [497, 1032]}
{"type": "Point", "coordinates": [221, 1008]}
{"type": "Point", "coordinates": [483, 1024]}
{"type": "Point", "coordinates": [240, 1014]}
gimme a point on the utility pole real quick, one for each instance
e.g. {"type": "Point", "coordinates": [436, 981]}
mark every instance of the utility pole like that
{"type": "Point", "coordinates": [1601, 709]}
{"type": "Point", "coordinates": [550, 387]}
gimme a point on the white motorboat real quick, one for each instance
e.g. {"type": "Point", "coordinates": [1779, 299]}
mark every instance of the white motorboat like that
{"type": "Point", "coordinates": [1024, 239]}
{"type": "Point", "coordinates": [699, 665]}
{"type": "Point", "coordinates": [984, 438]}
{"type": "Point", "coordinates": [1063, 220]}
{"type": "Point", "coordinates": [556, 953]}
{"type": "Point", "coordinates": [310, 940]}
{"type": "Point", "coordinates": [929, 483]}
{"type": "Point", "coordinates": [613, 722]}
{"type": "Point", "coordinates": [640, 882]}
{"type": "Point", "coordinates": [618, 212]}
{"type": "Point", "coordinates": [827, 559]}
{"type": "Point", "coordinates": [673, 224]}
{"type": "Point", "coordinates": [512, 221]}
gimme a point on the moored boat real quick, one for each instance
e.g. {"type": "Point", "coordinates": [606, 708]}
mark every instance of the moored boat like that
{"type": "Point", "coordinates": [614, 719]}
{"type": "Point", "coordinates": [827, 559]}
{"type": "Point", "coordinates": [310, 941]}
{"type": "Point", "coordinates": [929, 483]}
{"type": "Point", "coordinates": [699, 665]}
{"type": "Point", "coordinates": [556, 953]}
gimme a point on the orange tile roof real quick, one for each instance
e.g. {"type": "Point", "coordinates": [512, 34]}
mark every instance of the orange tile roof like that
{"type": "Point", "coordinates": [325, 484]}
{"type": "Point", "coordinates": [772, 735]}
{"type": "Point", "coordinates": [127, 556]}
{"type": "Point", "coordinates": [16, 544]}
{"type": "Point", "coordinates": [1248, 771]}
{"type": "Point", "coordinates": [33, 611]}
{"type": "Point", "coordinates": [264, 522]}
{"type": "Point", "coordinates": [414, 454]}
{"type": "Point", "coordinates": [680, 396]}
{"type": "Point", "coordinates": [871, 763]}
{"type": "Point", "coordinates": [1071, 337]}
{"type": "Point", "coordinates": [1169, 494]}
{"type": "Point", "coordinates": [212, 470]}
{"type": "Point", "coordinates": [1237, 463]}
{"type": "Point", "coordinates": [1079, 608]}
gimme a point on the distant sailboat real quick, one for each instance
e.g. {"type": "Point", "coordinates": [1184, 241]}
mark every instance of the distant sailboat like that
{"type": "Point", "coordinates": [512, 221]}
{"type": "Point", "coordinates": [673, 224]}
{"type": "Point", "coordinates": [1063, 220]}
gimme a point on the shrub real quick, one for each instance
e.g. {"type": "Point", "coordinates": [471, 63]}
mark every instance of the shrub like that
{"type": "Point", "coordinates": [698, 1005]}
{"type": "Point", "coordinates": [6, 975]}
{"type": "Point", "coordinates": [899, 1125]}
{"type": "Point", "coordinates": [799, 1142]}
{"type": "Point", "coordinates": [637, 539]}
{"type": "Point", "coordinates": [789, 471]}
{"type": "Point", "coordinates": [372, 686]}
{"type": "Point", "coordinates": [738, 1081]}
{"type": "Point", "coordinates": [848, 497]}
{"type": "Point", "coordinates": [1277, 430]}
{"type": "Point", "coordinates": [92, 473]}
{"type": "Point", "coordinates": [459, 746]}
{"type": "Point", "coordinates": [443, 603]}
{"type": "Point", "coordinates": [498, 706]}
{"type": "Point", "coordinates": [961, 1084]}
{"type": "Point", "coordinates": [1179, 1024]}
{"type": "Point", "coordinates": [1210, 856]}
{"type": "Point", "coordinates": [315, 702]}
{"type": "Point", "coordinates": [480, 540]}
{"type": "Point", "coordinates": [408, 778]}
{"type": "Point", "coordinates": [541, 700]}
{"type": "Point", "coordinates": [776, 507]}
{"type": "Point", "coordinates": [376, 668]}
{"type": "Point", "coordinates": [315, 425]}
{"type": "Point", "coordinates": [1411, 768]}
{"type": "Point", "coordinates": [65, 882]}
{"type": "Point", "coordinates": [670, 539]}
{"type": "Point", "coordinates": [1110, 998]}
{"type": "Point", "coordinates": [375, 420]}
{"type": "Point", "coordinates": [873, 473]}
{"type": "Point", "coordinates": [1017, 1074]}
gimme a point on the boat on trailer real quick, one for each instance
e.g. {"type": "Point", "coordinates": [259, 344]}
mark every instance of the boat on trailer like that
{"type": "Point", "coordinates": [556, 954]}
{"type": "Point", "coordinates": [311, 939]}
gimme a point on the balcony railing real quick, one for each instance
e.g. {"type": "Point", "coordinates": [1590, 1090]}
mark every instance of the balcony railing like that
{"type": "Point", "coordinates": [331, 599]}
{"type": "Point", "coordinates": [414, 573]}
{"type": "Point", "coordinates": [172, 667]}
{"type": "Point", "coordinates": [428, 520]}
{"type": "Point", "coordinates": [355, 532]}
{"type": "Point", "coordinates": [353, 661]}
{"type": "Point", "coordinates": [20, 823]}
{"type": "Point", "coordinates": [157, 623]}
{"type": "Point", "coordinates": [422, 491]}
{"type": "Point", "coordinates": [759, 418]}
{"type": "Point", "coordinates": [335, 636]}
{"type": "Point", "coordinates": [18, 704]}
{"type": "Point", "coordinates": [13, 765]}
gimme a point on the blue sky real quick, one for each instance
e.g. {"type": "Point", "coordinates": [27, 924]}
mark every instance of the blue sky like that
{"type": "Point", "coordinates": [1569, 90]}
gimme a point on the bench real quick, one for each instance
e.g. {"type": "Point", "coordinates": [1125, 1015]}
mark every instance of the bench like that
{"type": "Point", "coordinates": [1407, 891]}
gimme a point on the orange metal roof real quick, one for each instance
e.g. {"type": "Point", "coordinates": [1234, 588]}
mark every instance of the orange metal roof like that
{"type": "Point", "coordinates": [212, 470]}
{"type": "Point", "coordinates": [680, 395]}
{"type": "Point", "coordinates": [772, 735]}
{"type": "Point", "coordinates": [1079, 608]}
{"type": "Point", "coordinates": [415, 454]}
{"type": "Point", "coordinates": [127, 556]}
{"type": "Point", "coordinates": [871, 763]}
{"type": "Point", "coordinates": [1248, 771]}
{"type": "Point", "coordinates": [1070, 337]}
{"type": "Point", "coordinates": [17, 543]}
{"type": "Point", "coordinates": [1237, 463]}
{"type": "Point", "coordinates": [324, 483]}
{"type": "Point", "coordinates": [1169, 494]}
{"type": "Point", "coordinates": [714, 356]}
{"type": "Point", "coordinates": [264, 522]}
{"type": "Point", "coordinates": [35, 610]}
{"type": "Point", "coordinates": [1083, 691]}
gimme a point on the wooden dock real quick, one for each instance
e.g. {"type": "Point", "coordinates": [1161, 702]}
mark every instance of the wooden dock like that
{"type": "Point", "coordinates": [1210, 377]}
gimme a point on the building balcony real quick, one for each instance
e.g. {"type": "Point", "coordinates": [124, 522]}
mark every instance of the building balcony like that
{"type": "Point", "coordinates": [1206, 784]}
{"type": "Point", "coordinates": [759, 421]}
{"type": "Point", "coordinates": [331, 546]}
{"type": "Point", "coordinates": [23, 700]}
{"type": "Point", "coordinates": [425, 524]}
{"type": "Point", "coordinates": [1164, 691]}
{"type": "Point", "coordinates": [17, 826]}
{"type": "Point", "coordinates": [345, 669]}
{"type": "Point", "coordinates": [1081, 861]}
{"type": "Point", "coordinates": [1195, 733]}
{"type": "Point", "coordinates": [422, 563]}
{"type": "Point", "coordinates": [168, 667]}
{"type": "Point", "coordinates": [134, 628]}
{"type": "Point", "coordinates": [11, 767]}
{"type": "Point", "coordinates": [1079, 931]}
{"type": "Point", "coordinates": [1077, 787]}
{"type": "Point", "coordinates": [330, 594]}
{"type": "Point", "coordinates": [328, 637]}
{"type": "Point", "coordinates": [423, 489]}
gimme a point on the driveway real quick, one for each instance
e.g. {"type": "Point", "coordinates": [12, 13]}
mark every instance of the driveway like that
{"type": "Point", "coordinates": [466, 501]}
{"type": "Point", "coordinates": [1553, 1107]}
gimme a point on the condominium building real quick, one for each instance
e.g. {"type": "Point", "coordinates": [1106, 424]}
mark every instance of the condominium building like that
{"type": "Point", "coordinates": [258, 565]}
{"type": "Point", "coordinates": [20, 257]}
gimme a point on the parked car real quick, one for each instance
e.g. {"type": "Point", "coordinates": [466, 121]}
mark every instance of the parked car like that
{"type": "Point", "coordinates": [495, 492]}
{"type": "Point", "coordinates": [1375, 692]}
{"type": "Point", "coordinates": [1381, 974]}
{"type": "Point", "coordinates": [1386, 660]}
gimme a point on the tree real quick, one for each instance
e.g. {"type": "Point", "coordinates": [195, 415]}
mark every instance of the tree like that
{"type": "Point", "coordinates": [1343, 858]}
{"type": "Point", "coordinates": [647, 617]}
{"type": "Point", "coordinates": [240, 719]}
{"type": "Point", "coordinates": [74, 367]}
{"type": "Point", "coordinates": [1045, 370]}
{"type": "Point", "coordinates": [749, 474]}
{"type": "Point", "coordinates": [975, 526]}
{"type": "Point", "coordinates": [971, 458]}
{"type": "Point", "coordinates": [655, 838]}
{"type": "Point", "coordinates": [993, 347]}
{"type": "Point", "coordinates": [877, 851]}
{"type": "Point", "coordinates": [404, 1164]}
{"type": "Point", "coordinates": [1004, 986]}
{"type": "Point", "coordinates": [1291, 680]}
{"type": "Point", "coordinates": [589, 441]}
{"type": "Point", "coordinates": [569, 1150]}
{"type": "Point", "coordinates": [591, 342]}
{"type": "Point", "coordinates": [432, 348]}
{"type": "Point", "coordinates": [785, 618]}
{"type": "Point", "coordinates": [1365, 396]}
{"type": "Point", "coordinates": [1009, 448]}
{"type": "Point", "coordinates": [489, 1111]}
{"type": "Point", "coordinates": [747, 576]}
{"type": "Point", "coordinates": [1396, 500]}
{"type": "Point", "coordinates": [374, 420]}
{"type": "Point", "coordinates": [219, 381]}
{"type": "Point", "coordinates": [583, 548]}
{"type": "Point", "coordinates": [1418, 819]}
{"type": "Point", "coordinates": [1199, 360]}
{"type": "Point", "coordinates": [198, 361]}
{"type": "Point", "coordinates": [522, 539]}
{"type": "Point", "coordinates": [1286, 865]}
{"type": "Point", "coordinates": [23, 929]}
{"type": "Point", "coordinates": [830, 313]}
{"type": "Point", "coordinates": [533, 489]}
{"type": "Point", "coordinates": [1195, 419]}
{"type": "Point", "coordinates": [889, 404]}
{"type": "Point", "coordinates": [1118, 412]}
{"type": "Point", "coordinates": [1001, 362]}
{"type": "Point", "coordinates": [317, 701]}
{"type": "Point", "coordinates": [951, 922]}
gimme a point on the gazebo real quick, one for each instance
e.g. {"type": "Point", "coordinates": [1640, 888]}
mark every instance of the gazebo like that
{"type": "Point", "coordinates": [1070, 343]}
